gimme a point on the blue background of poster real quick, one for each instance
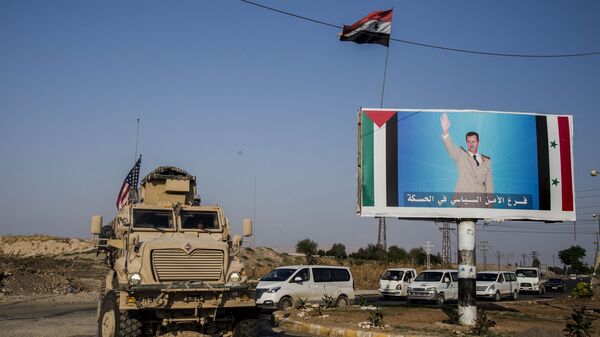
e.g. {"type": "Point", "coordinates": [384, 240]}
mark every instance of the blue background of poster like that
{"type": "Point", "coordinates": [509, 139]}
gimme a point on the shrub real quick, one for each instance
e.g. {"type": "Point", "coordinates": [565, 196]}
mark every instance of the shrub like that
{"type": "Point", "coordinates": [579, 325]}
{"type": "Point", "coordinates": [582, 290]}
{"type": "Point", "coordinates": [376, 318]}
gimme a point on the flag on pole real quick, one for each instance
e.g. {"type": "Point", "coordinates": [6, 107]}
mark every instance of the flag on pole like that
{"type": "Point", "coordinates": [373, 28]}
{"type": "Point", "coordinates": [130, 183]}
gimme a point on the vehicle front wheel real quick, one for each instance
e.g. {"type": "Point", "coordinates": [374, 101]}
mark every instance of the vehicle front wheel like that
{"type": "Point", "coordinates": [284, 303]}
{"type": "Point", "coordinates": [247, 328]}
{"type": "Point", "coordinates": [440, 299]}
{"type": "Point", "coordinates": [113, 323]}
{"type": "Point", "coordinates": [497, 296]}
{"type": "Point", "coordinates": [515, 295]}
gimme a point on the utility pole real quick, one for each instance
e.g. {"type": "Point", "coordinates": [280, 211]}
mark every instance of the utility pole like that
{"type": "Point", "coordinates": [381, 236]}
{"type": "Point", "coordinates": [484, 247]}
{"type": "Point", "coordinates": [499, 257]}
{"type": "Point", "coordinates": [445, 229]}
{"type": "Point", "coordinates": [534, 256]}
{"type": "Point", "coordinates": [553, 265]}
{"type": "Point", "coordinates": [428, 247]}
{"type": "Point", "coordinates": [523, 263]}
{"type": "Point", "coordinates": [510, 257]}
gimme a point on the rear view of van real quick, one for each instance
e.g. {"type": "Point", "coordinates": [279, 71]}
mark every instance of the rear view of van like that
{"type": "Point", "coordinates": [283, 286]}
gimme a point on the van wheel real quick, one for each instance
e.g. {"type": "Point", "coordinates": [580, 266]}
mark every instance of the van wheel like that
{"type": "Point", "coordinates": [342, 301]}
{"type": "Point", "coordinates": [284, 303]}
{"type": "Point", "coordinates": [515, 295]}
{"type": "Point", "coordinates": [497, 296]}
{"type": "Point", "coordinates": [440, 299]}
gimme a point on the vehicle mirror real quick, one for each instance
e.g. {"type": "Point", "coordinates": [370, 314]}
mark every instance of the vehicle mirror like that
{"type": "Point", "coordinates": [96, 226]}
{"type": "Point", "coordinates": [298, 279]}
{"type": "Point", "coordinates": [446, 280]}
{"type": "Point", "coordinates": [247, 227]}
{"type": "Point", "coordinates": [238, 240]}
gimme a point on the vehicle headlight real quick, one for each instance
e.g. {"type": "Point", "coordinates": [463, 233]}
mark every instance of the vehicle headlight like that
{"type": "Point", "coordinates": [135, 279]}
{"type": "Point", "coordinates": [235, 277]}
{"type": "Point", "coordinates": [399, 287]}
{"type": "Point", "coordinates": [431, 289]}
{"type": "Point", "coordinates": [535, 284]}
{"type": "Point", "coordinates": [273, 290]}
{"type": "Point", "coordinates": [492, 287]}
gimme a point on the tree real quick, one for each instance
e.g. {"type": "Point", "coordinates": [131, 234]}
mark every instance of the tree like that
{"type": "Point", "coordinates": [535, 263]}
{"type": "Point", "coordinates": [418, 255]}
{"type": "Point", "coordinates": [307, 247]}
{"type": "Point", "coordinates": [371, 252]}
{"type": "Point", "coordinates": [338, 250]}
{"type": "Point", "coordinates": [397, 254]}
{"type": "Point", "coordinates": [572, 256]}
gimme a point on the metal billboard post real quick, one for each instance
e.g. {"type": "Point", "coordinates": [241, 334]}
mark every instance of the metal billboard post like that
{"type": "Point", "coordinates": [467, 272]}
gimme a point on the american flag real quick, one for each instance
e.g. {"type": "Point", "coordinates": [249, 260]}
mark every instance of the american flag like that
{"type": "Point", "coordinates": [130, 182]}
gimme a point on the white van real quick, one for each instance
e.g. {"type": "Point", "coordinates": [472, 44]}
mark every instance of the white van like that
{"type": "Point", "coordinates": [437, 285]}
{"type": "Point", "coordinates": [497, 284]}
{"type": "Point", "coordinates": [530, 279]}
{"type": "Point", "coordinates": [281, 287]}
{"type": "Point", "coordinates": [394, 282]}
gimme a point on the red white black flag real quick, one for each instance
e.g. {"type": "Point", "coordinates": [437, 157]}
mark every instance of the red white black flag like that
{"type": "Point", "coordinates": [373, 28]}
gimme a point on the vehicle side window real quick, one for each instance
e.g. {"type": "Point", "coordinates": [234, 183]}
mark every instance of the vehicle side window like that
{"type": "Point", "coordinates": [340, 275]}
{"type": "Point", "coordinates": [322, 274]}
{"type": "Point", "coordinates": [304, 274]}
{"type": "Point", "coordinates": [500, 277]}
{"type": "Point", "coordinates": [513, 277]}
{"type": "Point", "coordinates": [455, 276]}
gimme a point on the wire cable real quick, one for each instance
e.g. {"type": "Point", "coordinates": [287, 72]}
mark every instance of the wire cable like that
{"type": "Point", "coordinates": [467, 51]}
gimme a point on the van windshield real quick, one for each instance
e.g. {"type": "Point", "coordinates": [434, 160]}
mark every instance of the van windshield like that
{"type": "Point", "coordinates": [392, 275]}
{"type": "Point", "coordinates": [280, 274]}
{"type": "Point", "coordinates": [526, 273]}
{"type": "Point", "coordinates": [487, 277]}
{"type": "Point", "coordinates": [429, 276]}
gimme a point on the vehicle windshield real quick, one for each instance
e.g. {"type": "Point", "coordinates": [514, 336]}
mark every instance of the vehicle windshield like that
{"type": "Point", "coordinates": [392, 275]}
{"type": "Point", "coordinates": [149, 218]}
{"type": "Point", "coordinates": [555, 280]}
{"type": "Point", "coordinates": [279, 274]}
{"type": "Point", "coordinates": [429, 276]}
{"type": "Point", "coordinates": [487, 277]}
{"type": "Point", "coordinates": [199, 220]}
{"type": "Point", "coordinates": [526, 273]}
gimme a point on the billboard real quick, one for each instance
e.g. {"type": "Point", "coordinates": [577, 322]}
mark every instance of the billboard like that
{"type": "Point", "coordinates": [450, 164]}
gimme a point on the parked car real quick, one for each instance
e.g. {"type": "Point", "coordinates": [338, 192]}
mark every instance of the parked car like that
{"type": "Point", "coordinates": [437, 285]}
{"type": "Point", "coordinates": [281, 287]}
{"type": "Point", "coordinates": [497, 284]}
{"type": "Point", "coordinates": [556, 284]}
{"type": "Point", "coordinates": [530, 280]}
{"type": "Point", "coordinates": [394, 282]}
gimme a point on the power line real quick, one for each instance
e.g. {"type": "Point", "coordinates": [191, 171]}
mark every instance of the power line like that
{"type": "Point", "coordinates": [467, 51]}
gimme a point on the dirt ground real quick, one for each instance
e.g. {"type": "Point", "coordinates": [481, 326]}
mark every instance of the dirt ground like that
{"type": "Point", "coordinates": [524, 319]}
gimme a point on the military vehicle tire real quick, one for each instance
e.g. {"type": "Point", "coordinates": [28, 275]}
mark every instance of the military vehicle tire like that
{"type": "Point", "coordinates": [515, 295]}
{"type": "Point", "coordinates": [285, 303]}
{"type": "Point", "coordinates": [247, 328]}
{"type": "Point", "coordinates": [113, 323]}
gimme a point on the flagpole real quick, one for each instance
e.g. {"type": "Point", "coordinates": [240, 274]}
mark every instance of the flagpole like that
{"type": "Point", "coordinates": [137, 133]}
{"type": "Point", "coordinates": [384, 75]}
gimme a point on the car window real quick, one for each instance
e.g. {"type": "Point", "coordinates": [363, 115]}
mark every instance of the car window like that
{"type": "Point", "coordinates": [341, 275]}
{"type": "Point", "coordinates": [322, 275]}
{"type": "Point", "coordinates": [429, 276]}
{"type": "Point", "coordinates": [279, 274]}
{"type": "Point", "coordinates": [500, 277]}
{"type": "Point", "coordinates": [303, 273]}
{"type": "Point", "coordinates": [455, 276]}
{"type": "Point", "coordinates": [486, 277]}
{"type": "Point", "coordinates": [392, 275]}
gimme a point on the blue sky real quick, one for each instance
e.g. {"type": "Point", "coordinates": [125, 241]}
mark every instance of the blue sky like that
{"type": "Point", "coordinates": [233, 93]}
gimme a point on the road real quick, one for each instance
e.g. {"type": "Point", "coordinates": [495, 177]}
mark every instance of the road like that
{"type": "Point", "coordinates": [47, 318]}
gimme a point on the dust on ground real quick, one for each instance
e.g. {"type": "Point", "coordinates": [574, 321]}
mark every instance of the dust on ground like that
{"type": "Point", "coordinates": [519, 319]}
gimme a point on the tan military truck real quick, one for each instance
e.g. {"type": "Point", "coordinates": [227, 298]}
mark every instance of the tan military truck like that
{"type": "Point", "coordinates": [174, 269]}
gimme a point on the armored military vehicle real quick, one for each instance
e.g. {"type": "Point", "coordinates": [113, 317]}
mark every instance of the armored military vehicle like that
{"type": "Point", "coordinates": [174, 269]}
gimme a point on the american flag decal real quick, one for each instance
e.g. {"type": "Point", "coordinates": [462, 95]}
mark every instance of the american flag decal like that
{"type": "Point", "coordinates": [130, 182]}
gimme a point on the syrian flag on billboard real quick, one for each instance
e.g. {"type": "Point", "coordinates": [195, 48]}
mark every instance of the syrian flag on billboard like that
{"type": "Point", "coordinates": [373, 28]}
{"type": "Point", "coordinates": [129, 185]}
{"type": "Point", "coordinates": [555, 172]}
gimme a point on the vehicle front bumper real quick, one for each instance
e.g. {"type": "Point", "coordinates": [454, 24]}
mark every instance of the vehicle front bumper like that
{"type": "Point", "coordinates": [390, 292]}
{"type": "Point", "coordinates": [422, 295]}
